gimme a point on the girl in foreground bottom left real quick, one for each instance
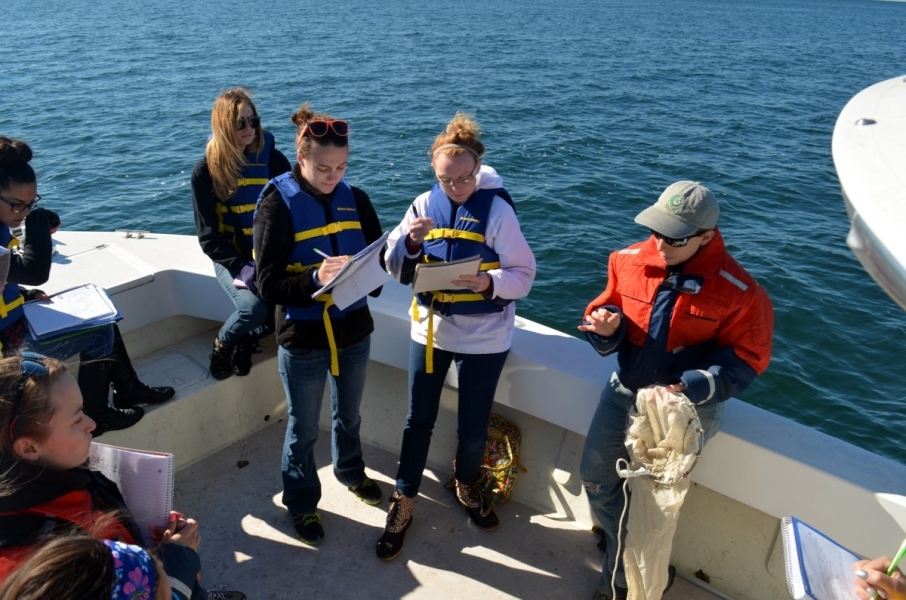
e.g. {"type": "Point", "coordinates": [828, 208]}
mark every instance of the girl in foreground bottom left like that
{"type": "Point", "coordinates": [46, 486]}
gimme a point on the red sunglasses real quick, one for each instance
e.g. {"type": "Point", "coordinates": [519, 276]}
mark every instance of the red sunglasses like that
{"type": "Point", "coordinates": [319, 129]}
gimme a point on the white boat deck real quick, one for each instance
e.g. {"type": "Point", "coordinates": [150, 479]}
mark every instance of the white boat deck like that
{"type": "Point", "coordinates": [249, 543]}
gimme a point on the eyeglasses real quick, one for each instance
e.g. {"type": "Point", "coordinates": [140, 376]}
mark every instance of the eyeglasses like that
{"type": "Point", "coordinates": [21, 207]}
{"type": "Point", "coordinates": [244, 122]}
{"type": "Point", "coordinates": [459, 180]}
{"type": "Point", "coordinates": [677, 242]}
{"type": "Point", "coordinates": [319, 129]}
{"type": "Point", "coordinates": [32, 366]}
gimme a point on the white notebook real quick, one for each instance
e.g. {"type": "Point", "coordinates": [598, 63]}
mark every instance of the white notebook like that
{"type": "Point", "coordinates": [816, 566]}
{"type": "Point", "coordinates": [144, 478]}
{"type": "Point", "coordinates": [431, 277]}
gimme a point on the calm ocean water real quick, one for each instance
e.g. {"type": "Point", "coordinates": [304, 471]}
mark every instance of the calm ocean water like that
{"type": "Point", "coordinates": [590, 108]}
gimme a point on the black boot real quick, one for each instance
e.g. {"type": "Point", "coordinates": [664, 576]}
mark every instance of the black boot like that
{"type": "Point", "coordinates": [242, 357]}
{"type": "Point", "coordinates": [94, 382]}
{"type": "Point", "coordinates": [469, 496]}
{"type": "Point", "coordinates": [221, 359]}
{"type": "Point", "coordinates": [128, 389]}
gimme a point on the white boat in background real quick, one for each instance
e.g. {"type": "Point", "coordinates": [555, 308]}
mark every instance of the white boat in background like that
{"type": "Point", "coordinates": [869, 151]}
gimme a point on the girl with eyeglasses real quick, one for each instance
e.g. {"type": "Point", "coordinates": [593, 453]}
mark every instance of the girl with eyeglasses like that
{"type": "Point", "coordinates": [466, 213]}
{"type": "Point", "coordinates": [46, 487]}
{"type": "Point", "coordinates": [239, 159]}
{"type": "Point", "coordinates": [302, 216]}
{"type": "Point", "coordinates": [105, 361]}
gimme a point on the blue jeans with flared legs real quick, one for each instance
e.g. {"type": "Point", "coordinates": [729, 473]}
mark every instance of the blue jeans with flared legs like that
{"type": "Point", "coordinates": [478, 376]}
{"type": "Point", "coordinates": [604, 444]}
{"type": "Point", "coordinates": [303, 373]}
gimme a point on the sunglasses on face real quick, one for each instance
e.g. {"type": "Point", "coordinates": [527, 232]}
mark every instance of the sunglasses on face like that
{"type": "Point", "coordinates": [21, 207]}
{"type": "Point", "coordinates": [244, 122]}
{"type": "Point", "coordinates": [319, 129]}
{"type": "Point", "coordinates": [32, 366]}
{"type": "Point", "coordinates": [676, 242]}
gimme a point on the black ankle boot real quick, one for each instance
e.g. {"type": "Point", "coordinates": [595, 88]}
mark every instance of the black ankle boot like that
{"type": "Point", "coordinates": [94, 382]}
{"type": "Point", "coordinates": [242, 357]}
{"type": "Point", "coordinates": [469, 496]}
{"type": "Point", "coordinates": [128, 390]}
{"type": "Point", "coordinates": [221, 359]}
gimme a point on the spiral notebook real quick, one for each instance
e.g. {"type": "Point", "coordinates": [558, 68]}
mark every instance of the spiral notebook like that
{"type": "Point", "coordinates": [144, 478]}
{"type": "Point", "coordinates": [817, 567]}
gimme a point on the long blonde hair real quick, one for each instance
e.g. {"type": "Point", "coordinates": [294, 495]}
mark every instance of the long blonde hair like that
{"type": "Point", "coordinates": [462, 130]}
{"type": "Point", "coordinates": [225, 158]}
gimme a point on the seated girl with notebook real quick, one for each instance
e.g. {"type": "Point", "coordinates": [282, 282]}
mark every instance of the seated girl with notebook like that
{"type": "Point", "coordinates": [45, 485]}
{"type": "Point", "coordinates": [104, 360]}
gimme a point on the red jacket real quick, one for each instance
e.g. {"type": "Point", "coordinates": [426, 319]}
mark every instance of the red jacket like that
{"type": "Point", "coordinates": [717, 339]}
{"type": "Point", "coordinates": [47, 501]}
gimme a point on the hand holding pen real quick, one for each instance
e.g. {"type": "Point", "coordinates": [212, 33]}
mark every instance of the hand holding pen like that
{"type": "Point", "coordinates": [880, 578]}
{"type": "Point", "coordinates": [330, 266]}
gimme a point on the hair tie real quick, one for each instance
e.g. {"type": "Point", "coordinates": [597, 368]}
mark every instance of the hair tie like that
{"type": "Point", "coordinates": [135, 574]}
{"type": "Point", "coordinates": [466, 148]}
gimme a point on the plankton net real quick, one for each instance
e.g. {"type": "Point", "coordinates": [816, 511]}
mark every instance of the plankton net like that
{"type": "Point", "coordinates": [664, 440]}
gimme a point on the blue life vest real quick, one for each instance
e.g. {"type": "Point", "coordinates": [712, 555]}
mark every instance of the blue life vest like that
{"type": "Point", "coordinates": [459, 233]}
{"type": "Point", "coordinates": [11, 302]}
{"type": "Point", "coordinates": [339, 235]}
{"type": "Point", "coordinates": [236, 215]}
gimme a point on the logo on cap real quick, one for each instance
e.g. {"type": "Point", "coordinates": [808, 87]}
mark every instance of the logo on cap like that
{"type": "Point", "coordinates": [675, 203]}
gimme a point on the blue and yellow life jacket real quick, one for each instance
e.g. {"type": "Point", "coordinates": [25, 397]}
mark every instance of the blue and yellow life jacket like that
{"type": "Point", "coordinates": [459, 232]}
{"type": "Point", "coordinates": [11, 302]}
{"type": "Point", "coordinates": [236, 215]}
{"type": "Point", "coordinates": [340, 235]}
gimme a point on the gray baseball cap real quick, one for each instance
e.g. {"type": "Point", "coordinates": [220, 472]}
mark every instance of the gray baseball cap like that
{"type": "Point", "coordinates": [684, 208]}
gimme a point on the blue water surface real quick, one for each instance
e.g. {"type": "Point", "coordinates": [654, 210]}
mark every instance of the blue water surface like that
{"type": "Point", "coordinates": [589, 107]}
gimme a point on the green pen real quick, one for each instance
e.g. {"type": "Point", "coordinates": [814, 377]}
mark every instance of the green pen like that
{"type": "Point", "coordinates": [893, 564]}
{"type": "Point", "coordinates": [322, 254]}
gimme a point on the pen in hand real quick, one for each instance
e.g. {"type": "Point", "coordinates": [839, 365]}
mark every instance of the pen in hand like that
{"type": "Point", "coordinates": [322, 254]}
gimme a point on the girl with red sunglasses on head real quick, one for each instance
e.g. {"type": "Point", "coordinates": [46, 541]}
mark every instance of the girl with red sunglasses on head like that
{"type": "Point", "coordinates": [105, 361]}
{"type": "Point", "coordinates": [302, 216]}
{"type": "Point", "coordinates": [239, 159]}
{"type": "Point", "coordinates": [466, 213]}
{"type": "Point", "coordinates": [46, 487]}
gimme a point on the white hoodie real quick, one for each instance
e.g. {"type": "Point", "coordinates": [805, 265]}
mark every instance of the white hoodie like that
{"type": "Point", "coordinates": [487, 333]}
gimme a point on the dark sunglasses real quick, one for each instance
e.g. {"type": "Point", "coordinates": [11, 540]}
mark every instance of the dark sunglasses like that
{"type": "Point", "coordinates": [21, 207]}
{"type": "Point", "coordinates": [32, 366]}
{"type": "Point", "coordinates": [252, 122]}
{"type": "Point", "coordinates": [319, 129]}
{"type": "Point", "coordinates": [677, 242]}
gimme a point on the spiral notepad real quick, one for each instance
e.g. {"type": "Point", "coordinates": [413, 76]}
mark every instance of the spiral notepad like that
{"type": "Point", "coordinates": [144, 478]}
{"type": "Point", "coordinates": [816, 566]}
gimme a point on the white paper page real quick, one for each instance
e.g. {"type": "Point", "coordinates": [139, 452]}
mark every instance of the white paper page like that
{"type": "Point", "coordinates": [5, 257]}
{"type": "Point", "coordinates": [827, 565]}
{"type": "Point", "coordinates": [68, 309]}
{"type": "Point", "coordinates": [359, 276]}
{"type": "Point", "coordinates": [430, 277]}
{"type": "Point", "coordinates": [144, 478]}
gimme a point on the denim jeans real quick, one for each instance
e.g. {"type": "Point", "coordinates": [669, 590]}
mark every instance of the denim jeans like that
{"type": "Point", "coordinates": [478, 375]}
{"type": "Point", "coordinates": [90, 344]}
{"type": "Point", "coordinates": [251, 311]}
{"type": "Point", "coordinates": [604, 487]}
{"type": "Point", "coordinates": [303, 373]}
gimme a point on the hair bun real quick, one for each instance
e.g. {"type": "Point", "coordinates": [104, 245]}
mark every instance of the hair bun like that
{"type": "Point", "coordinates": [14, 152]}
{"type": "Point", "coordinates": [302, 116]}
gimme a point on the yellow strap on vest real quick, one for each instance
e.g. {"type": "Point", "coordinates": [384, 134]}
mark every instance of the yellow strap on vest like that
{"type": "Point", "coordinates": [252, 181]}
{"type": "Point", "coordinates": [327, 230]}
{"type": "Point", "coordinates": [327, 299]}
{"type": "Point", "coordinates": [5, 308]}
{"type": "Point", "coordinates": [439, 297]}
{"type": "Point", "coordinates": [488, 266]}
{"type": "Point", "coordinates": [437, 234]}
{"type": "Point", "coordinates": [13, 243]}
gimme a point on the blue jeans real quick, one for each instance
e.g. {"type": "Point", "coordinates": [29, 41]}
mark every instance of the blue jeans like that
{"type": "Point", "coordinates": [303, 373]}
{"type": "Point", "coordinates": [90, 344]}
{"type": "Point", "coordinates": [603, 446]}
{"type": "Point", "coordinates": [251, 311]}
{"type": "Point", "coordinates": [478, 375]}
